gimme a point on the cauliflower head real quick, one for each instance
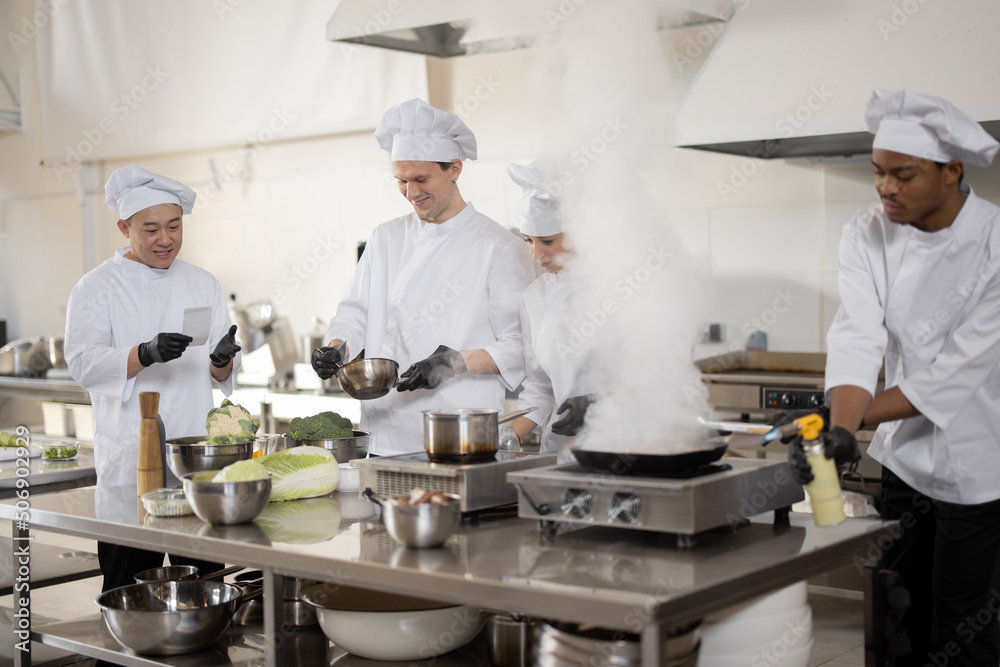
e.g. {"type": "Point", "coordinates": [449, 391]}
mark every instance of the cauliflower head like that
{"type": "Point", "coordinates": [231, 423]}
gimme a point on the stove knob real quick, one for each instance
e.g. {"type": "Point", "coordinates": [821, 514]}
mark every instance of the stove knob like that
{"type": "Point", "coordinates": [788, 400]}
{"type": "Point", "coordinates": [816, 401]}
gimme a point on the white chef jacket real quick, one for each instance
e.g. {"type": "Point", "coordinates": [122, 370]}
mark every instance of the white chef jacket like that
{"type": "Point", "coordinates": [930, 302]}
{"type": "Point", "coordinates": [113, 308]}
{"type": "Point", "coordinates": [551, 364]}
{"type": "Point", "coordinates": [420, 285]}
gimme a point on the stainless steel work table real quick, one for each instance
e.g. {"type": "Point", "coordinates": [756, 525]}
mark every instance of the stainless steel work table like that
{"type": "Point", "coordinates": [635, 582]}
{"type": "Point", "coordinates": [45, 475]}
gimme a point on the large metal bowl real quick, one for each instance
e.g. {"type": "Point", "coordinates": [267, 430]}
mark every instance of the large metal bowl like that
{"type": "Point", "coordinates": [168, 573]}
{"type": "Point", "coordinates": [225, 503]}
{"type": "Point", "coordinates": [169, 617]}
{"type": "Point", "coordinates": [343, 449]}
{"type": "Point", "coordinates": [190, 454]}
{"type": "Point", "coordinates": [365, 379]}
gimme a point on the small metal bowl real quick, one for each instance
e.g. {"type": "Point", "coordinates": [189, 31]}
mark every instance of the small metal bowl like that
{"type": "Point", "coordinates": [365, 379]}
{"type": "Point", "coordinates": [170, 573]}
{"type": "Point", "coordinates": [169, 617]}
{"type": "Point", "coordinates": [225, 503]}
{"type": "Point", "coordinates": [343, 449]}
{"type": "Point", "coordinates": [423, 525]}
{"type": "Point", "coordinates": [190, 454]}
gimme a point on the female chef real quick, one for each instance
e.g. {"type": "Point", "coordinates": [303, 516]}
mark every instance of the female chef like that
{"type": "Point", "coordinates": [920, 285]}
{"type": "Point", "coordinates": [551, 375]}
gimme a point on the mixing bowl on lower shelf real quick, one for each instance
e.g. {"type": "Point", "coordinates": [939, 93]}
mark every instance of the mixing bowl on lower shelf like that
{"type": "Point", "coordinates": [385, 626]}
{"type": "Point", "coordinates": [225, 503]}
{"type": "Point", "coordinates": [169, 617]}
{"type": "Point", "coordinates": [194, 454]}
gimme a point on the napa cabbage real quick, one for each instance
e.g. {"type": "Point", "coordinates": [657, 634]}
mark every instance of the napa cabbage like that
{"type": "Point", "coordinates": [301, 472]}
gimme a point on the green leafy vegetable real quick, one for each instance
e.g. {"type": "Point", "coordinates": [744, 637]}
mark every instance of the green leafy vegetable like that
{"type": "Point", "coordinates": [230, 424]}
{"type": "Point", "coordinates": [59, 452]}
{"type": "Point", "coordinates": [241, 471]}
{"type": "Point", "coordinates": [321, 426]}
{"type": "Point", "coordinates": [301, 472]}
{"type": "Point", "coordinates": [306, 521]}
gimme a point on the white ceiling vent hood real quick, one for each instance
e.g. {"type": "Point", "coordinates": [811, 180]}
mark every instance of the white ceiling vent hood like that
{"type": "Point", "coordinates": [790, 78]}
{"type": "Point", "coordinates": [446, 28]}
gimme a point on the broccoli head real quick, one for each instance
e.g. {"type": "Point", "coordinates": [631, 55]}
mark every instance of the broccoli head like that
{"type": "Point", "coordinates": [320, 427]}
{"type": "Point", "coordinates": [231, 423]}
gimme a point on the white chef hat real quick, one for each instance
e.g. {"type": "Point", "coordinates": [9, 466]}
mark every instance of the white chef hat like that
{"type": "Point", "coordinates": [132, 189]}
{"type": "Point", "coordinates": [927, 127]}
{"type": "Point", "coordinates": [414, 130]}
{"type": "Point", "coordinates": [540, 215]}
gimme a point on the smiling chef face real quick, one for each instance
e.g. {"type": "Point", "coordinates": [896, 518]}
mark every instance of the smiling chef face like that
{"type": "Point", "coordinates": [913, 190]}
{"type": "Point", "coordinates": [154, 235]}
{"type": "Point", "coordinates": [430, 189]}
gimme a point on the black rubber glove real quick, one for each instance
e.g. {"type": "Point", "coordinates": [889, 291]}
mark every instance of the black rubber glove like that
{"type": "Point", "coordinates": [326, 361]}
{"type": "Point", "coordinates": [576, 409]}
{"type": "Point", "coordinates": [838, 444]}
{"type": "Point", "coordinates": [444, 364]}
{"type": "Point", "coordinates": [164, 347]}
{"type": "Point", "coordinates": [225, 350]}
{"type": "Point", "coordinates": [791, 416]}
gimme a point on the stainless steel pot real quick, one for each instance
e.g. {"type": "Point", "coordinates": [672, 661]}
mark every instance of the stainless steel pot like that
{"type": "Point", "coordinates": [463, 435]}
{"type": "Point", "coordinates": [508, 640]}
{"type": "Point", "coordinates": [25, 356]}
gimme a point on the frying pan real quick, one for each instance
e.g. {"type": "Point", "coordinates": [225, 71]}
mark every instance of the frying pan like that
{"type": "Point", "coordinates": [623, 463]}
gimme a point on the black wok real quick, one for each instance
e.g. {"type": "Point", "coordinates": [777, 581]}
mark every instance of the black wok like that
{"type": "Point", "coordinates": [623, 463]}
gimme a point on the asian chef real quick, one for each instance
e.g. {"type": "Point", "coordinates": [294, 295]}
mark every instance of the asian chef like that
{"type": "Point", "coordinates": [436, 290]}
{"type": "Point", "coordinates": [920, 284]}
{"type": "Point", "coordinates": [123, 325]}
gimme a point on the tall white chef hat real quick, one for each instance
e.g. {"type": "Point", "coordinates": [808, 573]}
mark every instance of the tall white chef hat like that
{"type": "Point", "coordinates": [414, 130]}
{"type": "Point", "coordinates": [132, 189]}
{"type": "Point", "coordinates": [540, 215]}
{"type": "Point", "coordinates": [927, 127]}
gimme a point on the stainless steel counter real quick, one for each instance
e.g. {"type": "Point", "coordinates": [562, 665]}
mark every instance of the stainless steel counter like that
{"type": "Point", "coordinates": [634, 582]}
{"type": "Point", "coordinates": [45, 476]}
{"type": "Point", "coordinates": [45, 389]}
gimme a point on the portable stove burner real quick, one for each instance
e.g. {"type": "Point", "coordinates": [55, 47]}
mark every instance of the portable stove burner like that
{"type": "Point", "coordinates": [480, 485]}
{"type": "Point", "coordinates": [684, 502]}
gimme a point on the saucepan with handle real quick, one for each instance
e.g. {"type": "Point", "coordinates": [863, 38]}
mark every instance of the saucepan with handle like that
{"type": "Point", "coordinates": [464, 435]}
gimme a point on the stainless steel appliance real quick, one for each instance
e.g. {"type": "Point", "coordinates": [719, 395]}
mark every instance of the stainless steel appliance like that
{"type": "Point", "coordinates": [685, 503]}
{"type": "Point", "coordinates": [756, 382]}
{"type": "Point", "coordinates": [480, 485]}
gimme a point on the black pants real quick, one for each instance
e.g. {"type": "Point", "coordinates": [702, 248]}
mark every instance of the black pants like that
{"type": "Point", "coordinates": [119, 564]}
{"type": "Point", "coordinates": [947, 556]}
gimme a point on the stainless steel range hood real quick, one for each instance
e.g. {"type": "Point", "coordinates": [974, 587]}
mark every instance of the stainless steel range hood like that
{"type": "Point", "coordinates": [790, 78]}
{"type": "Point", "coordinates": [446, 28]}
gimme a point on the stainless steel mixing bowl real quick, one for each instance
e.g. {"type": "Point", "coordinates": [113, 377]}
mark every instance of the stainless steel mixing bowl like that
{"type": "Point", "coordinates": [168, 573]}
{"type": "Point", "coordinates": [225, 503]}
{"type": "Point", "coordinates": [169, 617]}
{"type": "Point", "coordinates": [365, 379]}
{"type": "Point", "coordinates": [187, 455]}
{"type": "Point", "coordinates": [422, 525]}
{"type": "Point", "coordinates": [343, 449]}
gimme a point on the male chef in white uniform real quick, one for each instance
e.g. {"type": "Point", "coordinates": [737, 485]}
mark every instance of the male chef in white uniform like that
{"type": "Point", "coordinates": [435, 290]}
{"type": "Point", "coordinates": [920, 284]}
{"type": "Point", "coordinates": [123, 337]}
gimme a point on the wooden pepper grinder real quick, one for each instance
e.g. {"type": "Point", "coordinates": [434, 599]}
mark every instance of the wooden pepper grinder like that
{"type": "Point", "coordinates": [149, 471]}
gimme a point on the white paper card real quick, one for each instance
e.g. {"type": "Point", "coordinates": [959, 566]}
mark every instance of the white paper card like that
{"type": "Point", "coordinates": [197, 324]}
